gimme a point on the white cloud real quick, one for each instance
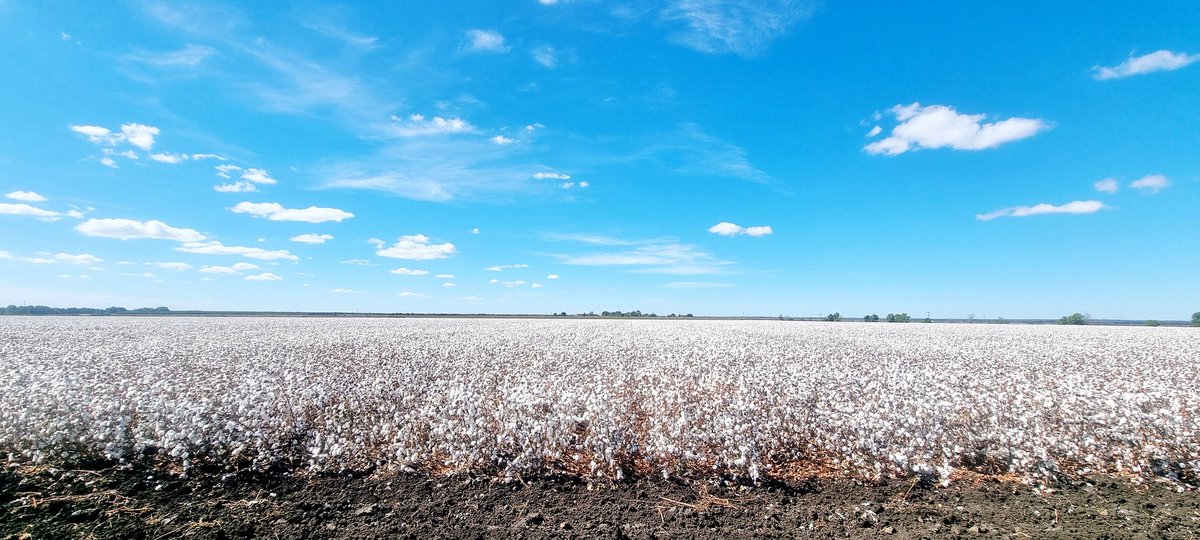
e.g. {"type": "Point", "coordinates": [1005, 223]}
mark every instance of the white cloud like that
{"type": "Point", "coordinates": [243, 266]}
{"type": "Point", "coordinates": [345, 291]}
{"type": "Point", "coordinates": [508, 284]}
{"type": "Point", "coordinates": [551, 176]}
{"type": "Point", "coordinates": [311, 238]}
{"type": "Point", "coordinates": [444, 276]}
{"type": "Point", "coordinates": [82, 258]}
{"type": "Point", "coordinates": [410, 294]}
{"type": "Point", "coordinates": [695, 285]}
{"type": "Point", "coordinates": [547, 2]}
{"type": "Point", "coordinates": [448, 284]}
{"type": "Point", "coordinates": [410, 272]}
{"type": "Point", "coordinates": [545, 55]}
{"type": "Point", "coordinates": [258, 176]}
{"type": "Point", "coordinates": [533, 127]}
{"type": "Point", "coordinates": [470, 298]}
{"type": "Point", "coordinates": [500, 268]}
{"type": "Point", "coordinates": [475, 230]}
{"type": "Point", "coordinates": [5, 255]}
{"type": "Point", "coordinates": [493, 281]}
{"type": "Point", "coordinates": [1149, 63]}
{"type": "Point", "coordinates": [127, 229]}
{"type": "Point", "coordinates": [417, 248]}
{"type": "Point", "coordinates": [486, 40]}
{"type": "Point", "coordinates": [139, 135]}
{"type": "Point", "coordinates": [940, 126]}
{"type": "Point", "coordinates": [1108, 185]}
{"type": "Point", "coordinates": [218, 270]}
{"type": "Point", "coordinates": [209, 156]}
{"type": "Point", "coordinates": [224, 170]}
{"type": "Point", "coordinates": [217, 248]}
{"type": "Point", "coordinates": [265, 276]}
{"type": "Point", "coordinates": [535, 285]}
{"type": "Point", "coordinates": [502, 140]}
{"type": "Point", "coordinates": [235, 187]}
{"type": "Point", "coordinates": [1074, 207]}
{"type": "Point", "coordinates": [875, 131]}
{"type": "Point", "coordinates": [22, 209]}
{"type": "Point", "coordinates": [1153, 183]}
{"type": "Point", "coordinates": [552, 276]}
{"type": "Point", "coordinates": [108, 162]}
{"type": "Point", "coordinates": [655, 258]}
{"type": "Point", "coordinates": [172, 265]}
{"type": "Point", "coordinates": [276, 212]}
{"type": "Point", "coordinates": [189, 56]}
{"type": "Point", "coordinates": [167, 157]}
{"type": "Point", "coordinates": [25, 196]}
{"type": "Point", "coordinates": [358, 262]}
{"type": "Point", "coordinates": [743, 27]}
{"type": "Point", "coordinates": [417, 126]}
{"type": "Point", "coordinates": [726, 228]}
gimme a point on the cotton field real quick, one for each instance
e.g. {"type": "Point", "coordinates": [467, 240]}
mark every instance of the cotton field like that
{"type": "Point", "coordinates": [605, 398]}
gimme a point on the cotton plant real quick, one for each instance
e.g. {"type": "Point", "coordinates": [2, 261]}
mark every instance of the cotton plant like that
{"type": "Point", "coordinates": [513, 398]}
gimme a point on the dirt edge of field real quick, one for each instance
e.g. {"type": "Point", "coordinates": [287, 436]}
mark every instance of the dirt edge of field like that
{"type": "Point", "coordinates": [103, 500]}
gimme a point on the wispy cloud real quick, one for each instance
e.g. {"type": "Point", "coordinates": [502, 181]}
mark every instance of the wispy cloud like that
{"type": "Point", "coordinates": [690, 151]}
{"type": "Point", "coordinates": [696, 285]}
{"type": "Point", "coordinates": [485, 40]}
{"type": "Point", "coordinates": [744, 27]}
{"type": "Point", "coordinates": [545, 55]}
{"type": "Point", "coordinates": [1074, 207]}
{"type": "Point", "coordinates": [217, 248]}
{"type": "Point", "coordinates": [940, 126]}
{"type": "Point", "coordinates": [25, 196]}
{"type": "Point", "coordinates": [189, 56]}
{"type": "Point", "coordinates": [1162, 60]}
{"type": "Point", "coordinates": [1153, 183]}
{"type": "Point", "coordinates": [1108, 185]}
{"type": "Point", "coordinates": [653, 257]}
{"type": "Point", "coordinates": [312, 238]}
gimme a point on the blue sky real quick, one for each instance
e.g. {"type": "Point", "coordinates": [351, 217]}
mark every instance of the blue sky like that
{"type": "Point", "coordinates": [790, 157]}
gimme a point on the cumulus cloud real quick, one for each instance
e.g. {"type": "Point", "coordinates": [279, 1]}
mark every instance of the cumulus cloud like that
{"type": "Point", "coordinates": [25, 196]}
{"type": "Point", "coordinates": [217, 248]}
{"type": "Point", "coordinates": [224, 171]}
{"type": "Point", "coordinates": [486, 40]}
{"type": "Point", "coordinates": [449, 284]}
{"type": "Point", "coordinates": [234, 269]}
{"type": "Point", "coordinates": [172, 265]}
{"type": "Point", "coordinates": [258, 176]}
{"type": "Point", "coordinates": [411, 294]}
{"type": "Point", "coordinates": [265, 276]}
{"type": "Point", "coordinates": [940, 126]}
{"type": "Point", "coordinates": [276, 212]}
{"type": "Point", "coordinates": [108, 162]}
{"type": "Point", "coordinates": [1153, 183]}
{"type": "Point", "coordinates": [444, 276]}
{"type": "Point", "coordinates": [22, 209]}
{"type": "Point", "coordinates": [235, 187]}
{"type": "Point", "coordinates": [410, 272]}
{"type": "Point", "coordinates": [502, 140]}
{"type": "Point", "coordinates": [416, 247]}
{"type": "Point", "coordinates": [1108, 185]}
{"type": "Point", "coordinates": [502, 267]}
{"type": "Point", "coordinates": [475, 230]}
{"type": "Point", "coordinates": [726, 228]}
{"type": "Point", "coordinates": [167, 157]}
{"type": "Point", "coordinates": [312, 238]}
{"type": "Point", "coordinates": [552, 276]}
{"type": "Point", "coordinates": [1149, 63]}
{"type": "Point", "coordinates": [744, 27]}
{"type": "Point", "coordinates": [417, 125]}
{"type": "Point", "coordinates": [128, 229]}
{"type": "Point", "coordinates": [82, 258]}
{"type": "Point", "coordinates": [139, 135]}
{"type": "Point", "coordinates": [1073, 207]}
{"type": "Point", "coordinates": [551, 176]}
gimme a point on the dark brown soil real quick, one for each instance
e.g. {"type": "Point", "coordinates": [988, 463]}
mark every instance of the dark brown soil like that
{"type": "Point", "coordinates": [142, 502]}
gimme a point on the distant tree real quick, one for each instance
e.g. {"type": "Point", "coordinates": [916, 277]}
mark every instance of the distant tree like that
{"type": "Point", "coordinates": [833, 317]}
{"type": "Point", "coordinates": [1153, 322]}
{"type": "Point", "coordinates": [1074, 318]}
{"type": "Point", "coordinates": [871, 318]}
{"type": "Point", "coordinates": [898, 317]}
{"type": "Point", "coordinates": [1196, 318]}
